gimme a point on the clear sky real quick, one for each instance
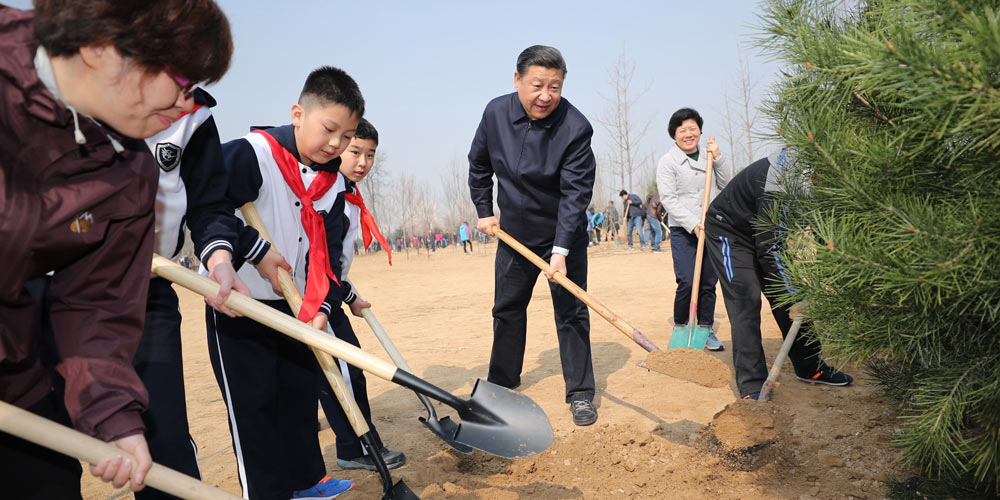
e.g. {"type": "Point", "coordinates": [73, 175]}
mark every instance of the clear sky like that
{"type": "Point", "coordinates": [428, 68]}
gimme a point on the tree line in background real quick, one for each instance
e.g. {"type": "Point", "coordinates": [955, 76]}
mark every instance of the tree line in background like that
{"type": "Point", "coordinates": [405, 205]}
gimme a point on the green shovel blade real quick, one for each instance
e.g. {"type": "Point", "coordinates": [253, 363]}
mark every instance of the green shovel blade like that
{"type": "Point", "coordinates": [691, 337]}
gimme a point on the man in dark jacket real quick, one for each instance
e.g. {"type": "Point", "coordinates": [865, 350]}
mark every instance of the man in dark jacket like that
{"type": "Point", "coordinates": [538, 145]}
{"type": "Point", "coordinates": [634, 211]}
{"type": "Point", "coordinates": [748, 261]}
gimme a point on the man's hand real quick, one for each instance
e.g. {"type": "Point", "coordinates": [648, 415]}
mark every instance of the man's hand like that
{"type": "Point", "coordinates": [268, 268]}
{"type": "Point", "coordinates": [798, 309]}
{"type": "Point", "coordinates": [319, 321]}
{"type": "Point", "coordinates": [698, 229]}
{"type": "Point", "coordinates": [358, 305]}
{"type": "Point", "coordinates": [485, 225]}
{"type": "Point", "coordinates": [117, 470]}
{"type": "Point", "coordinates": [220, 269]}
{"type": "Point", "coordinates": [557, 264]}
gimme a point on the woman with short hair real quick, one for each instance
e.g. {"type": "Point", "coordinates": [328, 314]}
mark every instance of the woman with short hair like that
{"type": "Point", "coordinates": [680, 178]}
{"type": "Point", "coordinates": [82, 82]}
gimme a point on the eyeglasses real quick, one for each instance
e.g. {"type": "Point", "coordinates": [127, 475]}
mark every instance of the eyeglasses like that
{"type": "Point", "coordinates": [187, 86]}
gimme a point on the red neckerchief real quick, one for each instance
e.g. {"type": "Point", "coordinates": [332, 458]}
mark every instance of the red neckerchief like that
{"type": "Point", "coordinates": [317, 285]}
{"type": "Point", "coordinates": [368, 227]}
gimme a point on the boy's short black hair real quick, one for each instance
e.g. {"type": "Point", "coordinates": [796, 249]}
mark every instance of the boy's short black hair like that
{"type": "Point", "coordinates": [366, 130]}
{"type": "Point", "coordinates": [678, 118]}
{"type": "Point", "coordinates": [329, 85]}
{"type": "Point", "coordinates": [623, 193]}
{"type": "Point", "coordinates": [541, 55]}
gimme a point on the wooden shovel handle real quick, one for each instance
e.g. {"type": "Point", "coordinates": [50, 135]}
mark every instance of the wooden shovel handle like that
{"type": "Point", "coordinates": [700, 253]}
{"type": "Point", "coordinates": [326, 362]}
{"type": "Point", "coordinates": [44, 432]}
{"type": "Point", "coordinates": [629, 330]}
{"type": "Point", "coordinates": [779, 360]}
{"type": "Point", "coordinates": [381, 335]}
{"type": "Point", "coordinates": [272, 318]}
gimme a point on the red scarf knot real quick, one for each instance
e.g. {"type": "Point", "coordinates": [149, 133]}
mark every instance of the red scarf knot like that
{"type": "Point", "coordinates": [317, 284]}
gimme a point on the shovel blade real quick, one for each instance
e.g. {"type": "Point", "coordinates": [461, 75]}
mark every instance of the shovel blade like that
{"type": "Point", "coordinates": [400, 491]}
{"type": "Point", "coordinates": [681, 337]}
{"type": "Point", "coordinates": [502, 422]}
{"type": "Point", "coordinates": [699, 336]}
{"type": "Point", "coordinates": [445, 428]}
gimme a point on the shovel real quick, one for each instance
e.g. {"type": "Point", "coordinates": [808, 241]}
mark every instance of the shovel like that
{"type": "Point", "coordinates": [691, 335]}
{"type": "Point", "coordinates": [772, 376]}
{"type": "Point", "coordinates": [630, 331]}
{"type": "Point", "coordinates": [390, 491]}
{"type": "Point", "coordinates": [444, 428]}
{"type": "Point", "coordinates": [495, 419]}
{"type": "Point", "coordinates": [44, 432]}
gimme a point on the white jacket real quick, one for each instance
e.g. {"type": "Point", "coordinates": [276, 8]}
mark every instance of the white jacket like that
{"type": "Point", "coordinates": [681, 182]}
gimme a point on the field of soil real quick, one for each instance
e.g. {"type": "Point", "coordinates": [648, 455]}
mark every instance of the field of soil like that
{"type": "Point", "coordinates": [658, 437]}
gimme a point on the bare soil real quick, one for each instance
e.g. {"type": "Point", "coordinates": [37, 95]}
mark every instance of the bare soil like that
{"type": "Point", "coordinates": [657, 436]}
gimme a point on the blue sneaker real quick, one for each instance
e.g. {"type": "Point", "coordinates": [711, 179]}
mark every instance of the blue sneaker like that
{"type": "Point", "coordinates": [713, 344]}
{"type": "Point", "coordinates": [753, 395]}
{"type": "Point", "coordinates": [326, 489]}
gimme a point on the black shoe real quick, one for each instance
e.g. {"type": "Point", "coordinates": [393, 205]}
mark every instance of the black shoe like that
{"type": "Point", "coordinates": [393, 460]}
{"type": "Point", "coordinates": [584, 412]}
{"type": "Point", "coordinates": [828, 376]}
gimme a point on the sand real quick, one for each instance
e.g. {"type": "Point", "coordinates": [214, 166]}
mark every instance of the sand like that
{"type": "Point", "coordinates": [657, 436]}
{"type": "Point", "coordinates": [692, 365]}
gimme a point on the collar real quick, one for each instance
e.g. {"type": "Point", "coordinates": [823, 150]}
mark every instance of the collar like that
{"type": "Point", "coordinates": [518, 114]}
{"type": "Point", "coordinates": [679, 157]}
{"type": "Point", "coordinates": [285, 135]}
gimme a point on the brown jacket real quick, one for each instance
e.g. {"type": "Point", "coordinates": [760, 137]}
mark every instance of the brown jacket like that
{"type": "Point", "coordinates": [653, 206]}
{"type": "Point", "coordinates": [85, 212]}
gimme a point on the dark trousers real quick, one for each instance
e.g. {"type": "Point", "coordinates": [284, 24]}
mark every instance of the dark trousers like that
{"type": "Point", "coordinates": [31, 472]}
{"type": "Point", "coordinates": [268, 383]}
{"type": "Point", "coordinates": [159, 363]}
{"type": "Point", "coordinates": [746, 272]}
{"type": "Point", "coordinates": [683, 250]}
{"type": "Point", "coordinates": [348, 444]}
{"type": "Point", "coordinates": [515, 279]}
{"type": "Point", "coordinates": [467, 242]}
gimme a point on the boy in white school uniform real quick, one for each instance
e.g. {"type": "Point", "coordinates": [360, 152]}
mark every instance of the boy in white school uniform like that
{"type": "Point", "coordinates": [268, 380]}
{"type": "Point", "coordinates": [355, 164]}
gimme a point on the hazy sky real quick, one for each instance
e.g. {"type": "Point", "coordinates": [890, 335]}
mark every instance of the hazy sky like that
{"type": "Point", "coordinates": [428, 68]}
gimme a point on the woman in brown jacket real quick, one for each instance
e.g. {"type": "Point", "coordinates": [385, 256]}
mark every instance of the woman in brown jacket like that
{"type": "Point", "coordinates": [81, 83]}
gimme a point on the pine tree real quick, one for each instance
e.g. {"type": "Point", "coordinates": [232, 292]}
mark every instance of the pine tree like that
{"type": "Point", "coordinates": [893, 108]}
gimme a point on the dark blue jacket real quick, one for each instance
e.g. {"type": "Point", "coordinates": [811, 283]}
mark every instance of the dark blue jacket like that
{"type": "Point", "coordinates": [545, 172]}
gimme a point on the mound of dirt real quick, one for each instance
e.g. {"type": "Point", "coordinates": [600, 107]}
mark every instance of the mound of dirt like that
{"type": "Point", "coordinates": [693, 365]}
{"type": "Point", "coordinates": [745, 424]}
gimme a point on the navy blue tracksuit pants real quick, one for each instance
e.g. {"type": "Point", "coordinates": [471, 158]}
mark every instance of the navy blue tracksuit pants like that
{"type": "Point", "coordinates": [159, 363]}
{"type": "Point", "coordinates": [268, 382]}
{"type": "Point", "coordinates": [748, 268]}
{"type": "Point", "coordinates": [348, 444]}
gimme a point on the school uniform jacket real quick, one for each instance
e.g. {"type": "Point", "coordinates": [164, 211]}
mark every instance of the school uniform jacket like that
{"type": "Point", "coordinates": [254, 176]}
{"type": "Point", "coordinates": [352, 222]}
{"type": "Point", "coordinates": [192, 189]}
{"type": "Point", "coordinates": [545, 172]}
{"type": "Point", "coordinates": [84, 211]}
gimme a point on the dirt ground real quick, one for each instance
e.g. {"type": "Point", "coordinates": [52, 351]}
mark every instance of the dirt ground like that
{"type": "Point", "coordinates": [655, 438]}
